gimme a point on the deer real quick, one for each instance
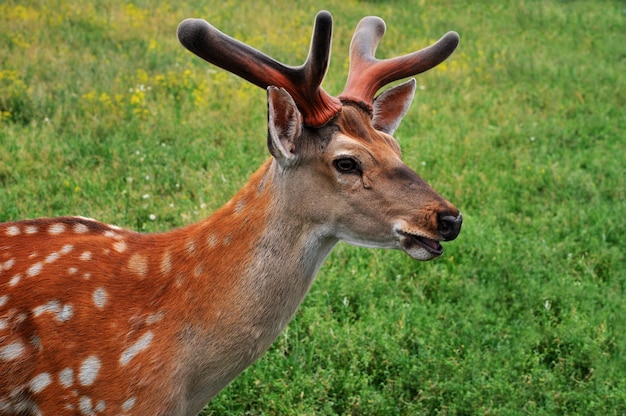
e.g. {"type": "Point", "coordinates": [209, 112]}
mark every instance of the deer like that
{"type": "Point", "coordinates": [100, 320]}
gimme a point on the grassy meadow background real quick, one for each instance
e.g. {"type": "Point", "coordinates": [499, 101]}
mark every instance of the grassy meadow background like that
{"type": "Point", "coordinates": [103, 114]}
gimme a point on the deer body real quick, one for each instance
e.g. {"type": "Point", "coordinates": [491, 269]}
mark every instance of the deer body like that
{"type": "Point", "coordinates": [95, 319]}
{"type": "Point", "coordinates": [211, 298]}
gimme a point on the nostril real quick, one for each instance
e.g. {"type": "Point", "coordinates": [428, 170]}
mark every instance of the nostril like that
{"type": "Point", "coordinates": [450, 226]}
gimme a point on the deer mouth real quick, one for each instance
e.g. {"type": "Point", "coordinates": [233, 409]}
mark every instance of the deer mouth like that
{"type": "Point", "coordinates": [415, 245]}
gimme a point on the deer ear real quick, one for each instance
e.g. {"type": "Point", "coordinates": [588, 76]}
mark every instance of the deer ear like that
{"type": "Point", "coordinates": [284, 125]}
{"type": "Point", "coordinates": [391, 105]}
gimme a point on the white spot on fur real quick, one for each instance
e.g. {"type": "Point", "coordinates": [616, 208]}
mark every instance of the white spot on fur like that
{"type": "Point", "coordinates": [212, 240]}
{"type": "Point", "coordinates": [85, 406]}
{"type": "Point", "coordinates": [12, 231]}
{"type": "Point", "coordinates": [15, 279]}
{"type": "Point", "coordinates": [40, 382]}
{"type": "Point", "coordinates": [66, 313]}
{"type": "Point", "coordinates": [89, 370]}
{"type": "Point", "coordinates": [52, 257]}
{"type": "Point", "coordinates": [31, 229]}
{"type": "Point", "coordinates": [12, 351]}
{"type": "Point", "coordinates": [34, 270]}
{"type": "Point", "coordinates": [120, 246]}
{"type": "Point", "coordinates": [101, 406]}
{"type": "Point", "coordinates": [138, 264]}
{"type": "Point", "coordinates": [52, 306]}
{"type": "Point", "coordinates": [56, 229]}
{"type": "Point", "coordinates": [66, 377]}
{"type": "Point", "coordinates": [7, 264]}
{"type": "Point", "coordinates": [3, 300]}
{"type": "Point", "coordinates": [85, 256]}
{"type": "Point", "coordinates": [128, 404]}
{"type": "Point", "coordinates": [62, 313]}
{"type": "Point", "coordinates": [166, 263]}
{"type": "Point", "coordinates": [191, 247]}
{"type": "Point", "coordinates": [111, 234]}
{"type": "Point", "coordinates": [80, 228]}
{"type": "Point", "coordinates": [141, 344]}
{"type": "Point", "coordinates": [72, 270]}
{"type": "Point", "coordinates": [100, 297]}
{"type": "Point", "coordinates": [66, 248]}
{"type": "Point", "coordinates": [87, 276]}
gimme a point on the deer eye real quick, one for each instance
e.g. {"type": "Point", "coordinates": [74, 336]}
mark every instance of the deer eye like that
{"type": "Point", "coordinates": [346, 165]}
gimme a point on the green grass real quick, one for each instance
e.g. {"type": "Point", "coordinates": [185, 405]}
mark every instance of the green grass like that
{"type": "Point", "coordinates": [104, 114]}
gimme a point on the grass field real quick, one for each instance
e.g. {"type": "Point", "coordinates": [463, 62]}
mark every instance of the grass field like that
{"type": "Point", "coordinates": [103, 114]}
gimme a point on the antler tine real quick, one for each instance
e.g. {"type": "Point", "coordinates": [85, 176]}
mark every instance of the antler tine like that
{"type": "Point", "coordinates": [367, 74]}
{"type": "Point", "coordinates": [303, 83]}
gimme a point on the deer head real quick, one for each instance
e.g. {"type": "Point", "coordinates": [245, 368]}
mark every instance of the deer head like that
{"type": "Point", "coordinates": [371, 198]}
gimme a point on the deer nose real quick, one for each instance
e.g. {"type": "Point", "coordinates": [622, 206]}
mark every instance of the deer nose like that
{"type": "Point", "coordinates": [449, 226]}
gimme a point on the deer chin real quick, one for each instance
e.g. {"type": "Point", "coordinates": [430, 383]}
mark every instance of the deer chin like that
{"type": "Point", "coordinates": [419, 247]}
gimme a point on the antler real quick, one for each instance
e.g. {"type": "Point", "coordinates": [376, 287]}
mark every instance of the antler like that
{"type": "Point", "coordinates": [368, 74]}
{"type": "Point", "coordinates": [303, 83]}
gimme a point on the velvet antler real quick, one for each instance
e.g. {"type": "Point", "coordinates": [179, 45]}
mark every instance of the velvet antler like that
{"type": "Point", "coordinates": [303, 83]}
{"type": "Point", "coordinates": [367, 74]}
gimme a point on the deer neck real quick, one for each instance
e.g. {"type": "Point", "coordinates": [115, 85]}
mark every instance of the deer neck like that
{"type": "Point", "coordinates": [263, 260]}
{"type": "Point", "coordinates": [279, 248]}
